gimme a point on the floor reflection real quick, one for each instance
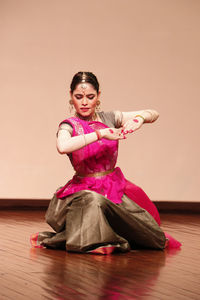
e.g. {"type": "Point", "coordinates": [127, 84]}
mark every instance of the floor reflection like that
{"type": "Point", "coordinates": [113, 277]}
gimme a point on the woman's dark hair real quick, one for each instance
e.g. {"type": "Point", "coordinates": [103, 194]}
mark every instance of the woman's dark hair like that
{"type": "Point", "coordinates": [88, 77]}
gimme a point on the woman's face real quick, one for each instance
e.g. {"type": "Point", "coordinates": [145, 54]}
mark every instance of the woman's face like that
{"type": "Point", "coordinates": [85, 99]}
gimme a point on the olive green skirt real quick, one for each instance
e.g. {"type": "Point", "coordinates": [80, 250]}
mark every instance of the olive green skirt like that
{"type": "Point", "coordinates": [87, 220]}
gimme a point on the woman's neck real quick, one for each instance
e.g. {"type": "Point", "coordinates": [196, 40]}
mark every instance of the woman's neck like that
{"type": "Point", "coordinates": [94, 117]}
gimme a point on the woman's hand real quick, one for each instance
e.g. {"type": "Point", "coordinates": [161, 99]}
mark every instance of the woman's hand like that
{"type": "Point", "coordinates": [112, 133]}
{"type": "Point", "coordinates": [132, 125]}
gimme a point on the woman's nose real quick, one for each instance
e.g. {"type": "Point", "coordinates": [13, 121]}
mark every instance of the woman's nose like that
{"type": "Point", "coordinates": [84, 101]}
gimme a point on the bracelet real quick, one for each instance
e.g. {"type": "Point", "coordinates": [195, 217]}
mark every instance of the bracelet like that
{"type": "Point", "coordinates": [140, 117]}
{"type": "Point", "coordinates": [98, 133]}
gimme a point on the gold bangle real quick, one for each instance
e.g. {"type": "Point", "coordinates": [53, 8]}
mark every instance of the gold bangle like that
{"type": "Point", "coordinates": [140, 117]}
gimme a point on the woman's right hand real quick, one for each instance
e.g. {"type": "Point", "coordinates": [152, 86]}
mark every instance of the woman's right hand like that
{"type": "Point", "coordinates": [112, 133]}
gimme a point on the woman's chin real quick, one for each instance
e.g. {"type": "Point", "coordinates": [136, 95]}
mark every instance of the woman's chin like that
{"type": "Point", "coordinates": [85, 114]}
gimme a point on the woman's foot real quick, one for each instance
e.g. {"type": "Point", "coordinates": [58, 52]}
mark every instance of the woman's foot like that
{"type": "Point", "coordinates": [104, 250]}
{"type": "Point", "coordinates": [35, 241]}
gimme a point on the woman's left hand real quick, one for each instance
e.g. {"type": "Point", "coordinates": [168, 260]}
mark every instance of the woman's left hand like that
{"type": "Point", "coordinates": [132, 125]}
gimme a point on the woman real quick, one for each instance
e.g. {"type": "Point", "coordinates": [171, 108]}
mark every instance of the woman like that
{"type": "Point", "coordinates": [98, 210]}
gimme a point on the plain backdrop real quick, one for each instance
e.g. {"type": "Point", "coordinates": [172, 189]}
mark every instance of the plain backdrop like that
{"type": "Point", "coordinates": [146, 54]}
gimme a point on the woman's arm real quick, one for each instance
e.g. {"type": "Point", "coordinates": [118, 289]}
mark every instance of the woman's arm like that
{"type": "Point", "coordinates": [149, 115]}
{"type": "Point", "coordinates": [132, 121]}
{"type": "Point", "coordinates": [66, 144]}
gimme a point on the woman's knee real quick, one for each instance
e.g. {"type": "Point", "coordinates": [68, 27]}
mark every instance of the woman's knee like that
{"type": "Point", "coordinates": [97, 199]}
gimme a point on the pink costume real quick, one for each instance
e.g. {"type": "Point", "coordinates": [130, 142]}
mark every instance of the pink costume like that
{"type": "Point", "coordinates": [96, 157]}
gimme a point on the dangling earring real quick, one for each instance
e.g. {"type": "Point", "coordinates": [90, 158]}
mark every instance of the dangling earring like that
{"type": "Point", "coordinates": [98, 107]}
{"type": "Point", "coordinates": [71, 106]}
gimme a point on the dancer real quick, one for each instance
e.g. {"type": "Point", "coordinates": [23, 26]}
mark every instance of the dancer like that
{"type": "Point", "coordinates": [99, 210]}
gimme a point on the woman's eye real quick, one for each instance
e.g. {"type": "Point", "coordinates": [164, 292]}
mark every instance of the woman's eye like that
{"type": "Point", "coordinates": [78, 97]}
{"type": "Point", "coordinates": [91, 97]}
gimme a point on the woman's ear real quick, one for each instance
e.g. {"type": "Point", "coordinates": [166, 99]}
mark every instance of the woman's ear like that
{"type": "Point", "coordinates": [98, 95]}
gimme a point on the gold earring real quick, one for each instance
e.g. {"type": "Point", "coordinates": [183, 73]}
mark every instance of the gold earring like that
{"type": "Point", "coordinates": [71, 106]}
{"type": "Point", "coordinates": [98, 107]}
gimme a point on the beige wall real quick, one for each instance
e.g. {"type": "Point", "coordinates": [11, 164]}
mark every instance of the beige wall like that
{"type": "Point", "coordinates": [145, 54]}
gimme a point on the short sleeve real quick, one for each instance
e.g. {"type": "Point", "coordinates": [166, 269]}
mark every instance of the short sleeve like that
{"type": "Point", "coordinates": [118, 118]}
{"type": "Point", "coordinates": [112, 118]}
{"type": "Point", "coordinates": [65, 126]}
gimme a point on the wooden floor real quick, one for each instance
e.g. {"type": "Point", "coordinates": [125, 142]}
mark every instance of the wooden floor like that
{"type": "Point", "coordinates": [27, 273]}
